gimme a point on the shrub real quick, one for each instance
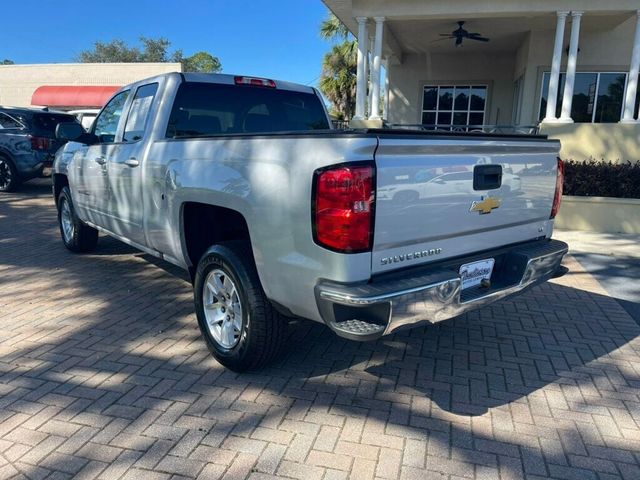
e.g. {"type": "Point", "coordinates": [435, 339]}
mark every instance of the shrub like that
{"type": "Point", "coordinates": [602, 179]}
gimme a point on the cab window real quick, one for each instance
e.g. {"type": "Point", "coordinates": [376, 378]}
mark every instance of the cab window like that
{"type": "Point", "coordinates": [106, 124]}
{"type": "Point", "coordinates": [139, 113]}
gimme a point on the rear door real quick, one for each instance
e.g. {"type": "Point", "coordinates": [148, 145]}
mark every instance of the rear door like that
{"type": "Point", "coordinates": [125, 207]}
{"type": "Point", "coordinates": [428, 207]}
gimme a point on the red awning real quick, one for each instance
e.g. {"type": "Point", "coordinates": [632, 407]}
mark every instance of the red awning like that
{"type": "Point", "coordinates": [86, 96]}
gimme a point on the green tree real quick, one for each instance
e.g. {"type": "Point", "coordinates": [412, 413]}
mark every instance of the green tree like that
{"type": "Point", "coordinates": [198, 62]}
{"type": "Point", "coordinates": [332, 29]}
{"type": "Point", "coordinates": [115, 51]}
{"type": "Point", "coordinates": [339, 68]}
{"type": "Point", "coordinates": [6, 61]}
{"type": "Point", "coordinates": [153, 50]}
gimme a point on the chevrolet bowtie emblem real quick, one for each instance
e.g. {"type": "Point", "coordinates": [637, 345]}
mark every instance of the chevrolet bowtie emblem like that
{"type": "Point", "coordinates": [485, 206]}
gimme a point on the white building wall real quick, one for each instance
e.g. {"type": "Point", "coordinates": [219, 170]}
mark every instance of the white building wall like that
{"type": "Point", "coordinates": [406, 82]}
{"type": "Point", "coordinates": [18, 82]}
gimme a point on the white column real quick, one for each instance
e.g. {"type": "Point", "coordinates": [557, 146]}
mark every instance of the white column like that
{"type": "Point", "coordinates": [567, 99]}
{"type": "Point", "coordinates": [374, 113]}
{"type": "Point", "coordinates": [554, 78]}
{"type": "Point", "coordinates": [632, 80]}
{"type": "Point", "coordinates": [368, 67]}
{"type": "Point", "coordinates": [361, 79]}
{"type": "Point", "coordinates": [385, 106]}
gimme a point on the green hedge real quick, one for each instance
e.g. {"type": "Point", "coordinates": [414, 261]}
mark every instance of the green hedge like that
{"type": "Point", "coordinates": [602, 179]}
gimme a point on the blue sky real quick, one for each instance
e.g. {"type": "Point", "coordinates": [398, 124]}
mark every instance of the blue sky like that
{"type": "Point", "coordinates": [274, 39]}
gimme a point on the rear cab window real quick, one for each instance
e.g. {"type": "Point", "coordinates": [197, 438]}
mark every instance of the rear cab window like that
{"type": "Point", "coordinates": [204, 109]}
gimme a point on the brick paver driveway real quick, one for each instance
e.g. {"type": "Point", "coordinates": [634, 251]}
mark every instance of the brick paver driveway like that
{"type": "Point", "coordinates": [103, 374]}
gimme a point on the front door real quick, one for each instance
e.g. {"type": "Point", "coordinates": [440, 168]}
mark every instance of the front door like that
{"type": "Point", "coordinates": [125, 208]}
{"type": "Point", "coordinates": [90, 163]}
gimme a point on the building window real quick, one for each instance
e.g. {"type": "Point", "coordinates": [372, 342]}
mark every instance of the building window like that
{"type": "Point", "coordinates": [598, 97]}
{"type": "Point", "coordinates": [454, 107]}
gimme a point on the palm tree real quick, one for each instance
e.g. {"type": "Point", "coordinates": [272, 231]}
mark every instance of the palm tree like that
{"type": "Point", "coordinates": [339, 67]}
{"type": "Point", "coordinates": [338, 79]}
{"type": "Point", "coordinates": [333, 29]}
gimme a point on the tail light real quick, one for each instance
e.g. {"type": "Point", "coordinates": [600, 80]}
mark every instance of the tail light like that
{"type": "Point", "coordinates": [40, 143]}
{"type": "Point", "coordinates": [256, 82]}
{"type": "Point", "coordinates": [344, 208]}
{"type": "Point", "coordinates": [557, 199]}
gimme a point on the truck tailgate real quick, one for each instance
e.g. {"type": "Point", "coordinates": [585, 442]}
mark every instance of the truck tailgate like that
{"type": "Point", "coordinates": [429, 208]}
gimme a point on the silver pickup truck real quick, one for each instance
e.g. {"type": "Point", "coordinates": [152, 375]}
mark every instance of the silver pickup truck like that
{"type": "Point", "coordinates": [242, 182]}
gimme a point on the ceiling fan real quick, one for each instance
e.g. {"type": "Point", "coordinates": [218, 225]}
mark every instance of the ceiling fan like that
{"type": "Point", "coordinates": [460, 34]}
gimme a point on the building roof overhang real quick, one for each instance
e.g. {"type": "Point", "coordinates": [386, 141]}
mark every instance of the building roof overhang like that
{"type": "Point", "coordinates": [413, 26]}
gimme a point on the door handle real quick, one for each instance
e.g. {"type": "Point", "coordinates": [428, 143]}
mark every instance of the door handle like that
{"type": "Point", "coordinates": [100, 160]}
{"type": "Point", "coordinates": [487, 177]}
{"type": "Point", "coordinates": [132, 162]}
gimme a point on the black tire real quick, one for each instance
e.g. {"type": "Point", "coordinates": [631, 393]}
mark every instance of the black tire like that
{"type": "Point", "coordinates": [263, 329]}
{"type": "Point", "coordinates": [9, 178]}
{"type": "Point", "coordinates": [82, 238]}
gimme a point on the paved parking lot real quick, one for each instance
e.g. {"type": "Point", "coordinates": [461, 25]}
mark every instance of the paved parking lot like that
{"type": "Point", "coordinates": [103, 375]}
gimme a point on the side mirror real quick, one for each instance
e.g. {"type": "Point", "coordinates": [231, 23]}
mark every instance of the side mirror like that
{"type": "Point", "coordinates": [74, 132]}
{"type": "Point", "coordinates": [69, 131]}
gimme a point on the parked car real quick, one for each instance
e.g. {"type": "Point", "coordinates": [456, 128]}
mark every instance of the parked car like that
{"type": "Point", "coordinates": [242, 182]}
{"type": "Point", "coordinates": [27, 144]}
{"type": "Point", "coordinates": [85, 116]}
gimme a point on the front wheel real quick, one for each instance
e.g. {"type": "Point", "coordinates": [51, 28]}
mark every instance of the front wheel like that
{"type": "Point", "coordinates": [76, 235]}
{"type": "Point", "coordinates": [8, 175]}
{"type": "Point", "coordinates": [243, 331]}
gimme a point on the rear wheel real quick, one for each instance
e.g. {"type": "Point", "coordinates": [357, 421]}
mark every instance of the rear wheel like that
{"type": "Point", "coordinates": [76, 235]}
{"type": "Point", "coordinates": [242, 329]}
{"type": "Point", "coordinates": [8, 175]}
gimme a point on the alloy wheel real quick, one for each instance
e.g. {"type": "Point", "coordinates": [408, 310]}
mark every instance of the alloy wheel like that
{"type": "Point", "coordinates": [66, 220]}
{"type": "Point", "coordinates": [6, 174]}
{"type": "Point", "coordinates": [222, 308]}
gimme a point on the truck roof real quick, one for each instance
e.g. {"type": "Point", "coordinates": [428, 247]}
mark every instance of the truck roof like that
{"type": "Point", "coordinates": [225, 79]}
{"type": "Point", "coordinates": [229, 79]}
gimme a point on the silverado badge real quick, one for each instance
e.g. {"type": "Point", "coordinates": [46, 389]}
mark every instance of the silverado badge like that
{"type": "Point", "coordinates": [486, 205]}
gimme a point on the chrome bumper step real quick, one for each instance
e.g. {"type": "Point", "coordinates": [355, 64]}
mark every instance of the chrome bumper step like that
{"type": "Point", "coordinates": [434, 293]}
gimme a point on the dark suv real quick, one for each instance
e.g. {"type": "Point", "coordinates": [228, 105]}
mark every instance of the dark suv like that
{"type": "Point", "coordinates": [27, 144]}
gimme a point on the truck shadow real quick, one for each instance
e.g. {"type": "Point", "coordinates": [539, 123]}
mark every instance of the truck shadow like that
{"type": "Point", "coordinates": [485, 359]}
{"type": "Point", "coordinates": [114, 352]}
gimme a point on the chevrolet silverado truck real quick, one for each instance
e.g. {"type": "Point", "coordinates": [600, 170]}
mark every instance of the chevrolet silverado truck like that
{"type": "Point", "coordinates": [242, 182]}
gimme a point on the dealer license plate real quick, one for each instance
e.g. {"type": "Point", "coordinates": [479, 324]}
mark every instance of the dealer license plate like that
{"type": "Point", "coordinates": [473, 273]}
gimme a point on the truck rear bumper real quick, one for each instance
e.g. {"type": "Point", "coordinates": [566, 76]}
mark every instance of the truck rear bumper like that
{"type": "Point", "coordinates": [434, 293]}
